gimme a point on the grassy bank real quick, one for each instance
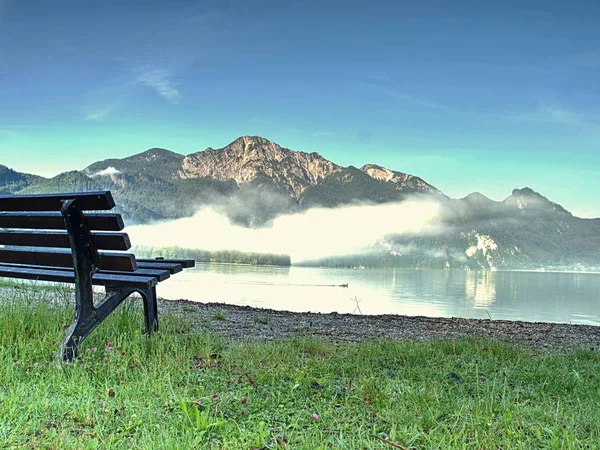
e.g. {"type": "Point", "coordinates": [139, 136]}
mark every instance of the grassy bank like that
{"type": "Point", "coordinates": [184, 390]}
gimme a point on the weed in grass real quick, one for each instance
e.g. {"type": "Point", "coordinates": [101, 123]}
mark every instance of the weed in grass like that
{"type": "Point", "coordinates": [219, 316]}
{"type": "Point", "coordinates": [374, 391]}
{"type": "Point", "coordinates": [261, 320]}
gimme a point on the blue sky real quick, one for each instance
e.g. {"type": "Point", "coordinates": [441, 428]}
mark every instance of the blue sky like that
{"type": "Point", "coordinates": [471, 96]}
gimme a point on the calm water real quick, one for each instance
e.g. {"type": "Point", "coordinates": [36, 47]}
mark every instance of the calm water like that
{"type": "Point", "coordinates": [531, 296]}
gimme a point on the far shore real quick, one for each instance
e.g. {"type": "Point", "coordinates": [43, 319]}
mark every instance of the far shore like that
{"type": "Point", "coordinates": [235, 322]}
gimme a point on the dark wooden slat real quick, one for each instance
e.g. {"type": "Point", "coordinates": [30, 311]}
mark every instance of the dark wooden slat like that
{"type": "Point", "coordinates": [122, 262]}
{"type": "Point", "coordinates": [55, 221]}
{"type": "Point", "coordinates": [66, 276]}
{"type": "Point", "coordinates": [86, 201]}
{"type": "Point", "coordinates": [171, 267]}
{"type": "Point", "coordinates": [185, 263]}
{"type": "Point", "coordinates": [111, 241]}
{"type": "Point", "coordinates": [102, 241]}
{"type": "Point", "coordinates": [159, 274]}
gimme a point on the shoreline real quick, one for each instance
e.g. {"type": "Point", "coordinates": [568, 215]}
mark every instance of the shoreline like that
{"type": "Point", "coordinates": [235, 322]}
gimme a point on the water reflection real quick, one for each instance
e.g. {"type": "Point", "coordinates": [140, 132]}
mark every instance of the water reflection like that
{"type": "Point", "coordinates": [531, 296]}
{"type": "Point", "coordinates": [480, 288]}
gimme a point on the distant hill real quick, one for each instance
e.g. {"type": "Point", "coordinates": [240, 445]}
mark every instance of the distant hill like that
{"type": "Point", "coordinates": [525, 231]}
{"type": "Point", "coordinates": [253, 180]}
{"type": "Point", "coordinates": [12, 181]}
{"type": "Point", "coordinates": [156, 162]}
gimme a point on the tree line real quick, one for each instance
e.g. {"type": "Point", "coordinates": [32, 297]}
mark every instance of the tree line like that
{"type": "Point", "coordinates": [220, 256]}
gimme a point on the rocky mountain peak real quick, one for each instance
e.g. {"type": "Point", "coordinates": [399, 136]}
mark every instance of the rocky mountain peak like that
{"type": "Point", "coordinates": [478, 198]}
{"type": "Point", "coordinates": [403, 181]}
{"type": "Point", "coordinates": [378, 172]}
{"type": "Point", "coordinates": [250, 157]}
{"type": "Point", "coordinates": [526, 192]}
{"type": "Point", "coordinates": [526, 199]}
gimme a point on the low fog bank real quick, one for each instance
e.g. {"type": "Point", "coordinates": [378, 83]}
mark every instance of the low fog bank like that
{"type": "Point", "coordinates": [309, 235]}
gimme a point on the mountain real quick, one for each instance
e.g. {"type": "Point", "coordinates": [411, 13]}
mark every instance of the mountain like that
{"type": "Point", "coordinates": [156, 162]}
{"type": "Point", "coordinates": [530, 202]}
{"type": "Point", "coordinates": [12, 181]}
{"type": "Point", "coordinates": [253, 180]}
{"type": "Point", "coordinates": [524, 231]}
{"type": "Point", "coordinates": [350, 185]}
{"type": "Point", "coordinates": [402, 181]}
{"type": "Point", "coordinates": [248, 158]}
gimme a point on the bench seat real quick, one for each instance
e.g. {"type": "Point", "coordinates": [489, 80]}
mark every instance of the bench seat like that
{"type": "Point", "coordinates": [60, 275]}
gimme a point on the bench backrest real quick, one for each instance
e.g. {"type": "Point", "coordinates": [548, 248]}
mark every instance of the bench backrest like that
{"type": "Point", "coordinates": [35, 230]}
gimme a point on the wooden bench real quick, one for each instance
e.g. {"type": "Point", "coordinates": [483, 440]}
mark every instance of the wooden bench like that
{"type": "Point", "coordinates": [63, 238]}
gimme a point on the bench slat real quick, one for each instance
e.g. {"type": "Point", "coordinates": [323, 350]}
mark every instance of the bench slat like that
{"type": "Point", "coordinates": [66, 276]}
{"type": "Point", "coordinates": [122, 262]}
{"type": "Point", "coordinates": [159, 274]}
{"type": "Point", "coordinates": [102, 241]}
{"type": "Point", "coordinates": [185, 263]}
{"type": "Point", "coordinates": [171, 267]}
{"type": "Point", "coordinates": [55, 221]}
{"type": "Point", "coordinates": [86, 201]}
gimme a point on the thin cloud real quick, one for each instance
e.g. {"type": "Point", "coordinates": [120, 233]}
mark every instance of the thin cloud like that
{"type": "Point", "coordinates": [553, 114]}
{"type": "Point", "coordinates": [98, 113]}
{"type": "Point", "coordinates": [380, 82]}
{"type": "Point", "coordinates": [408, 98]}
{"type": "Point", "coordinates": [102, 101]}
{"type": "Point", "coordinates": [265, 122]}
{"type": "Point", "coordinates": [158, 79]}
{"type": "Point", "coordinates": [322, 134]}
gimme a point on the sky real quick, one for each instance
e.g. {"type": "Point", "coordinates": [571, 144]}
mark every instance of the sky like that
{"type": "Point", "coordinates": [481, 96]}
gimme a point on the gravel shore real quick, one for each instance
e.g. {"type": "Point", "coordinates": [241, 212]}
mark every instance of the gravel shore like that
{"type": "Point", "coordinates": [243, 322]}
{"type": "Point", "coordinates": [234, 322]}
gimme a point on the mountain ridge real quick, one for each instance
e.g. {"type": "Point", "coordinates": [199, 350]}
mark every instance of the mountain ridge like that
{"type": "Point", "coordinates": [250, 157]}
{"type": "Point", "coordinates": [253, 180]}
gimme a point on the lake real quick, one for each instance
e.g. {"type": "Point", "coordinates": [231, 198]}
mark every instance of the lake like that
{"type": "Point", "coordinates": [529, 296]}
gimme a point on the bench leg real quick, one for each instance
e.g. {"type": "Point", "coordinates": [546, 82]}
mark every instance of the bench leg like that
{"type": "Point", "coordinates": [79, 329]}
{"type": "Point", "coordinates": [87, 318]}
{"type": "Point", "coordinates": [68, 349]}
{"type": "Point", "coordinates": [150, 309]}
{"type": "Point", "coordinates": [82, 324]}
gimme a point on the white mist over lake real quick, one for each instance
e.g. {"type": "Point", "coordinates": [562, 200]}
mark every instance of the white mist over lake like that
{"type": "Point", "coordinates": [312, 234]}
{"type": "Point", "coordinates": [321, 232]}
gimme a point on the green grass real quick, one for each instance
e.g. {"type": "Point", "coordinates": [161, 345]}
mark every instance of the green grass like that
{"type": "Point", "coordinates": [180, 390]}
{"type": "Point", "coordinates": [261, 320]}
{"type": "Point", "coordinates": [220, 315]}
